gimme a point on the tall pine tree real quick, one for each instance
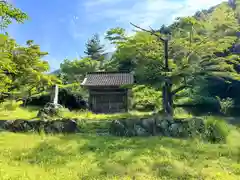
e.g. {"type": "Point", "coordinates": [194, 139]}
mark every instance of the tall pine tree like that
{"type": "Point", "coordinates": [94, 49]}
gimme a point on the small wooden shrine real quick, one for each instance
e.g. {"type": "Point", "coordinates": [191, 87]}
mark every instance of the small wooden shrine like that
{"type": "Point", "coordinates": [107, 91]}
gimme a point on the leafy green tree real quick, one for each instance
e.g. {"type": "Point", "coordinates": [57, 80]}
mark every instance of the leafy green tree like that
{"type": "Point", "coordinates": [75, 71]}
{"type": "Point", "coordinates": [193, 57]}
{"type": "Point", "coordinates": [189, 52]}
{"type": "Point", "coordinates": [165, 30]}
{"type": "Point", "coordinates": [9, 13]}
{"type": "Point", "coordinates": [116, 35]}
{"type": "Point", "coordinates": [23, 73]}
{"type": "Point", "coordinates": [7, 67]}
{"type": "Point", "coordinates": [132, 51]}
{"type": "Point", "coordinates": [22, 69]}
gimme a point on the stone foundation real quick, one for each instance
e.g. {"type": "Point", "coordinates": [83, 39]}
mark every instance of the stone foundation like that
{"type": "Point", "coordinates": [56, 126]}
{"type": "Point", "coordinates": [157, 126]}
{"type": "Point", "coordinates": [49, 110]}
{"type": "Point", "coordinates": [151, 126]}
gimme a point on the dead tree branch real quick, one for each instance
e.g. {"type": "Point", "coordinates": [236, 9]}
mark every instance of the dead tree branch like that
{"type": "Point", "coordinates": [152, 32]}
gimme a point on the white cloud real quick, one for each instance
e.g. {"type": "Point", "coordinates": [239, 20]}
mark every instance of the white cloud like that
{"type": "Point", "coordinates": [93, 3]}
{"type": "Point", "coordinates": [144, 13]}
{"type": "Point", "coordinates": [10, 1]}
{"type": "Point", "coordinates": [192, 6]}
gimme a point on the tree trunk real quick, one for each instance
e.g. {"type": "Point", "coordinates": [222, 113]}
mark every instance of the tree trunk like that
{"type": "Point", "coordinates": [167, 87]}
{"type": "Point", "coordinates": [167, 99]}
{"type": "Point", "coordinates": [25, 102]}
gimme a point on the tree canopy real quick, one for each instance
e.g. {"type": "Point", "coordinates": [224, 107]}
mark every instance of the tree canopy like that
{"type": "Point", "coordinates": [75, 71]}
{"type": "Point", "coordinates": [198, 49]}
{"type": "Point", "coordinates": [8, 13]}
{"type": "Point", "coordinates": [94, 49]}
{"type": "Point", "coordinates": [23, 72]}
{"type": "Point", "coordinates": [180, 60]}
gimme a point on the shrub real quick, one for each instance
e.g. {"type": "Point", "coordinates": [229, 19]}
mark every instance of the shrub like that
{"type": "Point", "coordinates": [181, 113]}
{"type": "Point", "coordinates": [225, 105]}
{"type": "Point", "coordinates": [11, 105]}
{"type": "Point", "coordinates": [217, 130]}
{"type": "Point", "coordinates": [69, 96]}
{"type": "Point", "coordinates": [197, 100]}
{"type": "Point", "coordinates": [145, 98]}
{"type": "Point", "coordinates": [62, 111]}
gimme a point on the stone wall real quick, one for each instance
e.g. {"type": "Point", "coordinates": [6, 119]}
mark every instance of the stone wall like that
{"type": "Point", "coordinates": [125, 127]}
{"type": "Point", "coordinates": [161, 126]}
{"type": "Point", "coordinates": [48, 126]}
{"type": "Point", "coordinates": [148, 126]}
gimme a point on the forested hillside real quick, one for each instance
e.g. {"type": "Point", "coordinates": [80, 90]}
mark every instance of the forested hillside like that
{"type": "Point", "coordinates": [203, 62]}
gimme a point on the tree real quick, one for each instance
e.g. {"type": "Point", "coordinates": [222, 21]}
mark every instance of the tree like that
{"type": "Point", "coordinates": [116, 35]}
{"type": "Point", "coordinates": [75, 71]}
{"type": "Point", "coordinates": [7, 67]}
{"type": "Point", "coordinates": [22, 69]}
{"type": "Point", "coordinates": [193, 57]}
{"type": "Point", "coordinates": [167, 87]}
{"type": "Point", "coordinates": [198, 50]}
{"type": "Point", "coordinates": [94, 49]}
{"type": "Point", "coordinates": [165, 30]}
{"type": "Point", "coordinates": [9, 13]}
{"type": "Point", "coordinates": [132, 51]}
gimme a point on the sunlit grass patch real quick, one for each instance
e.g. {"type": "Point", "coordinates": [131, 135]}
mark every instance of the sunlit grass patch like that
{"type": "Point", "coordinates": [31, 156]}
{"type": "Point", "coordinates": [19, 113]}
{"type": "Point", "coordinates": [31, 112]}
{"type": "Point", "coordinates": [91, 116]}
{"type": "Point", "coordinates": [85, 156]}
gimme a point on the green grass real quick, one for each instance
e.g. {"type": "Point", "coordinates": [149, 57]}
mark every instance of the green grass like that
{"type": "Point", "coordinates": [71, 157]}
{"type": "Point", "coordinates": [31, 113]}
{"type": "Point", "coordinates": [29, 156]}
{"type": "Point", "coordinates": [19, 113]}
{"type": "Point", "coordinates": [86, 115]}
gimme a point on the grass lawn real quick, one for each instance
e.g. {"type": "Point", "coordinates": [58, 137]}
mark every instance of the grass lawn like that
{"type": "Point", "coordinates": [72, 157]}
{"type": "Point", "coordinates": [31, 113]}
{"type": "Point", "coordinates": [29, 156]}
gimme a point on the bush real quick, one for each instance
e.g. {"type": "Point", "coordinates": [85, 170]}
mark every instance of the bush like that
{"type": "Point", "coordinates": [226, 105]}
{"type": "Point", "coordinates": [72, 100]}
{"type": "Point", "coordinates": [69, 97]}
{"type": "Point", "coordinates": [217, 130]}
{"type": "Point", "coordinates": [11, 105]}
{"type": "Point", "coordinates": [181, 113]}
{"type": "Point", "coordinates": [52, 110]}
{"type": "Point", "coordinates": [198, 100]}
{"type": "Point", "coordinates": [145, 98]}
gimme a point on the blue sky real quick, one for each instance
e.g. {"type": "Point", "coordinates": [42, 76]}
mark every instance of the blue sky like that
{"type": "Point", "coordinates": [62, 27]}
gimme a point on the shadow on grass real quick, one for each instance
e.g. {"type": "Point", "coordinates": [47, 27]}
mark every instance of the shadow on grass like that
{"type": "Point", "coordinates": [114, 156]}
{"type": "Point", "coordinates": [233, 120]}
{"type": "Point", "coordinates": [33, 108]}
{"type": "Point", "coordinates": [167, 158]}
